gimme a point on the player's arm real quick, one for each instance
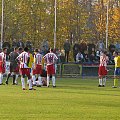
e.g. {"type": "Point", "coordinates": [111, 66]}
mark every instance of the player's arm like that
{"type": "Point", "coordinates": [35, 61]}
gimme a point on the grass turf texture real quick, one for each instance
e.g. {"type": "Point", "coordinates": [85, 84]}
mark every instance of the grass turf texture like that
{"type": "Point", "coordinates": [72, 99]}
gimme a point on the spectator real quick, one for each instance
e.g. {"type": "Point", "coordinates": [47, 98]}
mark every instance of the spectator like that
{"type": "Point", "coordinates": [92, 58]}
{"type": "Point", "coordinates": [14, 43]}
{"type": "Point", "coordinates": [97, 55]}
{"type": "Point", "coordinates": [111, 48]}
{"type": "Point", "coordinates": [100, 45]}
{"type": "Point", "coordinates": [76, 49]}
{"type": "Point", "coordinates": [83, 46]}
{"type": "Point", "coordinates": [86, 57]}
{"type": "Point", "coordinates": [20, 44]}
{"type": "Point", "coordinates": [67, 50]}
{"type": "Point", "coordinates": [79, 57]}
{"type": "Point", "coordinates": [45, 46]}
{"type": "Point", "coordinates": [91, 48]}
{"type": "Point", "coordinates": [117, 46]}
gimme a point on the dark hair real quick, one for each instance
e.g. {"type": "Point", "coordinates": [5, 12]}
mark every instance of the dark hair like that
{"type": "Point", "coordinates": [26, 49]}
{"type": "Point", "coordinates": [20, 49]}
{"type": "Point", "coordinates": [105, 52]}
{"type": "Point", "coordinates": [4, 48]}
{"type": "Point", "coordinates": [36, 50]}
{"type": "Point", "coordinates": [51, 49]}
{"type": "Point", "coordinates": [15, 48]}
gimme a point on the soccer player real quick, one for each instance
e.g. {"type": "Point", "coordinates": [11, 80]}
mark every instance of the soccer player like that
{"type": "Point", "coordinates": [102, 72]}
{"type": "Point", "coordinates": [2, 64]}
{"type": "Point", "coordinates": [20, 50]}
{"type": "Point", "coordinates": [24, 69]}
{"type": "Point", "coordinates": [117, 68]}
{"type": "Point", "coordinates": [13, 65]}
{"type": "Point", "coordinates": [50, 59]}
{"type": "Point", "coordinates": [37, 69]}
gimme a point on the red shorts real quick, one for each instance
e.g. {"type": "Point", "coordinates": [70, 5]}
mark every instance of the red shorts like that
{"type": "Point", "coordinates": [102, 71]}
{"type": "Point", "coordinates": [2, 68]}
{"type": "Point", "coordinates": [25, 71]}
{"type": "Point", "coordinates": [50, 69]}
{"type": "Point", "coordinates": [17, 69]}
{"type": "Point", "coordinates": [38, 70]}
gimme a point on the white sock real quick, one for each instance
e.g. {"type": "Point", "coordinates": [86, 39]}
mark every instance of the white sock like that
{"type": "Point", "coordinates": [100, 81]}
{"type": "Point", "coordinates": [104, 81]}
{"type": "Point", "coordinates": [48, 78]}
{"type": "Point", "coordinates": [53, 80]}
{"type": "Point", "coordinates": [30, 83]}
{"type": "Point", "coordinates": [33, 78]}
{"type": "Point", "coordinates": [23, 82]}
{"type": "Point", "coordinates": [40, 80]}
{"type": "Point", "coordinates": [1, 77]}
{"type": "Point", "coordinates": [16, 79]}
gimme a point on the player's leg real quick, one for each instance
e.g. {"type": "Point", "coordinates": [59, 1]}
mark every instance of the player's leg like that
{"type": "Point", "coordinates": [22, 72]}
{"type": "Point", "coordinates": [29, 79]}
{"type": "Point", "coordinates": [104, 76]}
{"type": "Point", "coordinates": [53, 75]}
{"type": "Point", "coordinates": [8, 76]}
{"type": "Point", "coordinates": [16, 79]}
{"type": "Point", "coordinates": [23, 81]}
{"type": "Point", "coordinates": [34, 77]}
{"type": "Point", "coordinates": [100, 76]}
{"type": "Point", "coordinates": [53, 80]}
{"type": "Point", "coordinates": [104, 81]}
{"type": "Point", "coordinates": [100, 81]}
{"type": "Point", "coordinates": [1, 78]}
{"type": "Point", "coordinates": [14, 76]}
{"type": "Point", "coordinates": [48, 74]}
{"type": "Point", "coordinates": [115, 78]}
{"type": "Point", "coordinates": [39, 79]}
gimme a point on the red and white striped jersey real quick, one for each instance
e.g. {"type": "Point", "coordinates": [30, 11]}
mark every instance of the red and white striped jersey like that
{"type": "Point", "coordinates": [38, 58]}
{"type": "Point", "coordinates": [3, 57]}
{"type": "Point", "coordinates": [103, 60]}
{"type": "Point", "coordinates": [50, 58]}
{"type": "Point", "coordinates": [23, 58]}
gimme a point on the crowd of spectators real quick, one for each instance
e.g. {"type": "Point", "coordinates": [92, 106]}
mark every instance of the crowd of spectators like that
{"type": "Point", "coordinates": [83, 53]}
{"type": "Point", "coordinates": [89, 53]}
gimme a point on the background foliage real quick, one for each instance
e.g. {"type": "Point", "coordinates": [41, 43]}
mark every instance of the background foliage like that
{"type": "Point", "coordinates": [76, 20]}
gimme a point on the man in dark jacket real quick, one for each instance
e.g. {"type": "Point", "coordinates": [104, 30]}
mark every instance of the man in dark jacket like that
{"type": "Point", "coordinates": [76, 49]}
{"type": "Point", "coordinates": [67, 50]}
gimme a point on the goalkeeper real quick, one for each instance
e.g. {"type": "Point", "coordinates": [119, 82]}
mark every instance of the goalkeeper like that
{"type": "Point", "coordinates": [117, 69]}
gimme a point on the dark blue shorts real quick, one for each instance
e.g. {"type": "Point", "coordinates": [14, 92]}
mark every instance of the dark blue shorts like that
{"type": "Point", "coordinates": [117, 72]}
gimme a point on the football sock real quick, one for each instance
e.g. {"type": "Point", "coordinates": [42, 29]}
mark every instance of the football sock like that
{"type": "Point", "coordinates": [104, 81]}
{"type": "Point", "coordinates": [23, 82]}
{"type": "Point", "coordinates": [48, 78]}
{"type": "Point", "coordinates": [40, 80]}
{"type": "Point", "coordinates": [33, 78]}
{"type": "Point", "coordinates": [115, 82]}
{"type": "Point", "coordinates": [53, 80]}
{"type": "Point", "coordinates": [1, 78]}
{"type": "Point", "coordinates": [30, 83]}
{"type": "Point", "coordinates": [100, 81]}
{"type": "Point", "coordinates": [8, 76]}
{"type": "Point", "coordinates": [16, 79]}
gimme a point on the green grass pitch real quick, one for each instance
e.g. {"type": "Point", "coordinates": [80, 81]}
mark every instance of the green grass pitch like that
{"type": "Point", "coordinates": [72, 99]}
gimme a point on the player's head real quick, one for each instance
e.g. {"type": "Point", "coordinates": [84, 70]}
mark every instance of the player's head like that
{"type": "Point", "coordinates": [36, 50]}
{"type": "Point", "coordinates": [51, 50]}
{"type": "Point", "coordinates": [16, 49]}
{"type": "Point", "coordinates": [26, 49]}
{"type": "Point", "coordinates": [5, 50]}
{"type": "Point", "coordinates": [20, 49]}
